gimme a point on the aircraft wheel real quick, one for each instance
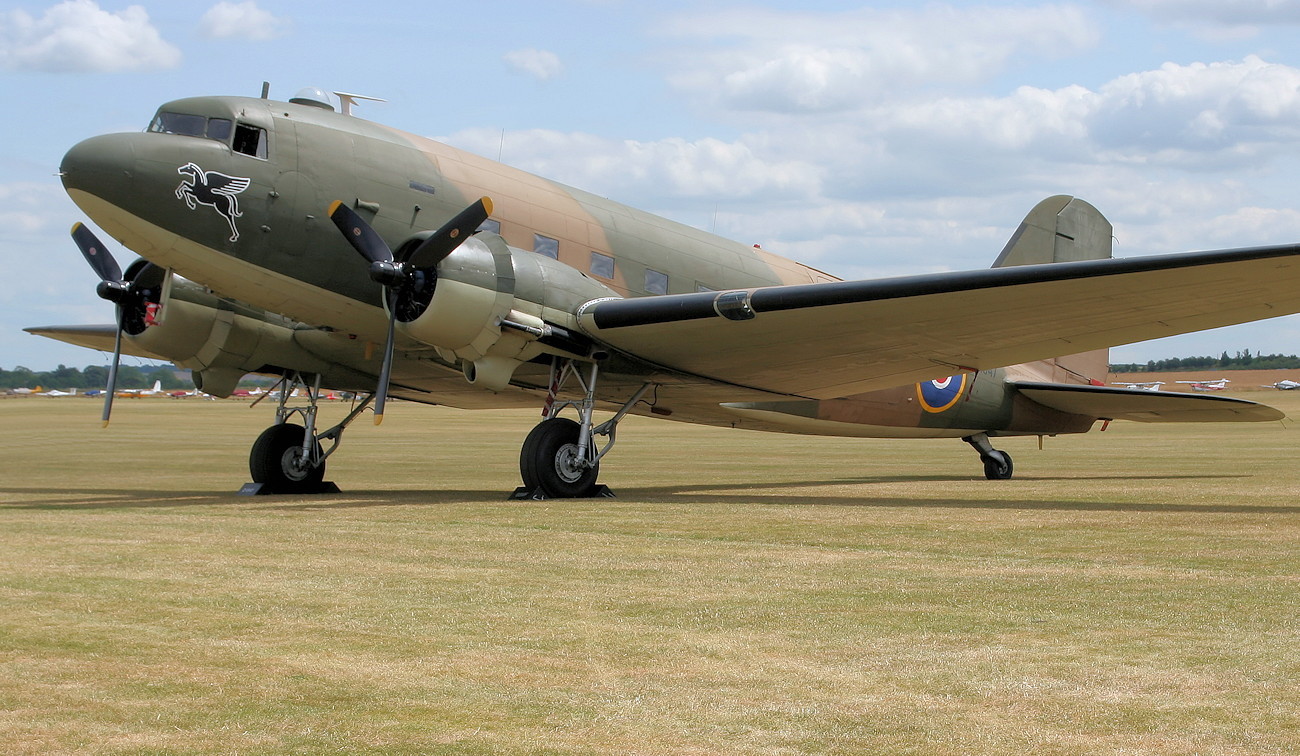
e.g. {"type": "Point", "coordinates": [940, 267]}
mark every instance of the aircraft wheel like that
{"type": "Point", "coordinates": [275, 460]}
{"type": "Point", "coordinates": [549, 461]}
{"type": "Point", "coordinates": [997, 465]}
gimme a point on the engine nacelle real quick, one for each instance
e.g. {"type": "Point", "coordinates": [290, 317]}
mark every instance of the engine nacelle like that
{"type": "Point", "coordinates": [474, 290]}
{"type": "Point", "coordinates": [484, 284]}
{"type": "Point", "coordinates": [219, 341]}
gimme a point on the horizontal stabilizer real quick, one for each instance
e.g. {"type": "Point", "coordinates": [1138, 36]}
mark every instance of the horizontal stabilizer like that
{"type": "Point", "coordinates": [1111, 403]}
{"type": "Point", "coordinates": [93, 337]}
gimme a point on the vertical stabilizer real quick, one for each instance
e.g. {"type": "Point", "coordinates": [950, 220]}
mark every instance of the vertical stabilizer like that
{"type": "Point", "coordinates": [1063, 229]}
{"type": "Point", "coordinates": [1058, 229]}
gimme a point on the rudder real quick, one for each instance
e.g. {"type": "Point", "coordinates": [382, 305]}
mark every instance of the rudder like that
{"type": "Point", "coordinates": [1063, 229]}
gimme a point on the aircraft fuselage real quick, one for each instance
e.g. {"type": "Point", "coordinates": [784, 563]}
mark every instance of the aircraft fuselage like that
{"type": "Point", "coordinates": [232, 193]}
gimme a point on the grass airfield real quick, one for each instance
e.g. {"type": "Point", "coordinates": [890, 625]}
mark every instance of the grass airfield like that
{"type": "Point", "coordinates": [1132, 591]}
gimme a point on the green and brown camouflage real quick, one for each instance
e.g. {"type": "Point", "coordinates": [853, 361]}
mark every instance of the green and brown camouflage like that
{"type": "Point", "coordinates": [235, 193]}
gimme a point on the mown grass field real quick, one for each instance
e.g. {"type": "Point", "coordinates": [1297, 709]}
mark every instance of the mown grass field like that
{"type": "Point", "coordinates": [1133, 591]}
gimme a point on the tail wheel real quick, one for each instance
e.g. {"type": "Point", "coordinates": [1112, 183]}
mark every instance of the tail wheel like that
{"type": "Point", "coordinates": [997, 465]}
{"type": "Point", "coordinates": [277, 460]}
{"type": "Point", "coordinates": [550, 461]}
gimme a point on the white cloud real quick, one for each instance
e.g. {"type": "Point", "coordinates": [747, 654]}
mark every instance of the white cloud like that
{"type": "Point", "coordinates": [78, 36]}
{"type": "Point", "coordinates": [245, 20]}
{"type": "Point", "coordinates": [649, 172]}
{"type": "Point", "coordinates": [788, 62]}
{"type": "Point", "coordinates": [1228, 12]}
{"type": "Point", "coordinates": [542, 65]}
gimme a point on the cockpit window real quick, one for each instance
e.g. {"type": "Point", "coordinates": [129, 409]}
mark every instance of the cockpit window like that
{"type": "Point", "coordinates": [250, 140]}
{"type": "Point", "coordinates": [219, 129]}
{"type": "Point", "coordinates": [179, 123]}
{"type": "Point", "coordinates": [192, 125]}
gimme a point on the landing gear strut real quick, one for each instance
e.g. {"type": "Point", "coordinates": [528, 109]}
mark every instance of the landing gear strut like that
{"type": "Point", "coordinates": [997, 463]}
{"type": "Point", "coordinates": [559, 458]}
{"type": "Point", "coordinates": [288, 458]}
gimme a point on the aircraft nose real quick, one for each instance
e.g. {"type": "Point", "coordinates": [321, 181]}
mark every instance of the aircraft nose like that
{"type": "Point", "coordinates": [103, 166]}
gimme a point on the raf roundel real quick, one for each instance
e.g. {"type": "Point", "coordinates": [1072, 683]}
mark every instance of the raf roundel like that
{"type": "Point", "coordinates": [941, 394]}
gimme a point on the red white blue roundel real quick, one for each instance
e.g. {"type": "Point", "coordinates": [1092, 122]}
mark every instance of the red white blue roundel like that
{"type": "Point", "coordinates": [939, 395]}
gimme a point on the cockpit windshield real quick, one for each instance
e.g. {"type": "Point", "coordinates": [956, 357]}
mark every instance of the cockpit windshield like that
{"type": "Point", "coordinates": [191, 125]}
{"type": "Point", "coordinates": [248, 139]}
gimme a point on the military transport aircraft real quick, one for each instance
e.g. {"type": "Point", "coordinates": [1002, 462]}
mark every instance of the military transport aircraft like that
{"type": "Point", "coordinates": [288, 238]}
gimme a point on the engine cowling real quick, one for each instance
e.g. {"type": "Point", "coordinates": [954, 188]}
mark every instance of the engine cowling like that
{"type": "Point", "coordinates": [218, 341]}
{"type": "Point", "coordinates": [479, 287]}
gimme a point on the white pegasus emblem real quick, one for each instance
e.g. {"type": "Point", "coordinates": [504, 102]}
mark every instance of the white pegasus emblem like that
{"type": "Point", "coordinates": [216, 190]}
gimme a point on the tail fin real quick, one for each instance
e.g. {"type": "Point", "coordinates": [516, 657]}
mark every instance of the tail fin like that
{"type": "Point", "coordinates": [1063, 229]}
{"type": "Point", "coordinates": [1058, 229]}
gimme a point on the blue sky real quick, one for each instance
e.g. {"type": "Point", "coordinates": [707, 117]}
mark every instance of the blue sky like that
{"type": "Point", "coordinates": [867, 139]}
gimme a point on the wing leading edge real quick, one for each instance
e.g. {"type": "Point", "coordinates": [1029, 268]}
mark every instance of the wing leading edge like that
{"type": "Point", "coordinates": [94, 337]}
{"type": "Point", "coordinates": [836, 339]}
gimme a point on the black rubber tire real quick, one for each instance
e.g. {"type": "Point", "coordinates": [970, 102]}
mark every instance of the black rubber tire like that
{"type": "Point", "coordinates": [542, 461]}
{"type": "Point", "coordinates": [270, 461]}
{"type": "Point", "coordinates": [998, 466]}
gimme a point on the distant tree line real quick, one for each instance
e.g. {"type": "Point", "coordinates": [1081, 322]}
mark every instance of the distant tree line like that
{"type": "Point", "coordinates": [91, 377]}
{"type": "Point", "coordinates": [1243, 360]}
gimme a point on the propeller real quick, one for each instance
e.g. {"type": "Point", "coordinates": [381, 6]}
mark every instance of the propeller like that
{"type": "Point", "coordinates": [130, 296]}
{"type": "Point", "coordinates": [408, 282]}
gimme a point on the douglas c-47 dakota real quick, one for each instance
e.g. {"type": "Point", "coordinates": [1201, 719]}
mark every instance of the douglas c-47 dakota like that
{"type": "Point", "coordinates": [288, 238]}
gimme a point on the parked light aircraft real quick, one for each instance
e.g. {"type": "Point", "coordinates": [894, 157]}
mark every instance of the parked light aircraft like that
{"type": "Point", "coordinates": [55, 392]}
{"type": "Point", "coordinates": [340, 253]}
{"type": "Point", "coordinates": [1216, 385]}
{"type": "Point", "coordinates": [156, 390]}
{"type": "Point", "coordinates": [1285, 385]}
{"type": "Point", "coordinates": [1144, 386]}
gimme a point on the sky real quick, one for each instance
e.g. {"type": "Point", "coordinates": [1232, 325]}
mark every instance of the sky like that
{"type": "Point", "coordinates": [866, 139]}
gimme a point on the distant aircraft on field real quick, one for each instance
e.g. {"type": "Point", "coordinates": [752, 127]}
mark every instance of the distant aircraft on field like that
{"type": "Point", "coordinates": [55, 392]}
{"type": "Point", "coordinates": [1284, 385]}
{"type": "Point", "coordinates": [137, 393]}
{"type": "Point", "coordinates": [1144, 386]}
{"type": "Point", "coordinates": [1217, 385]}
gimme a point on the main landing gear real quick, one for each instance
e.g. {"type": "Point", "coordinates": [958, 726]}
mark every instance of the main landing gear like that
{"type": "Point", "coordinates": [997, 463]}
{"type": "Point", "coordinates": [288, 458]}
{"type": "Point", "coordinates": [560, 459]}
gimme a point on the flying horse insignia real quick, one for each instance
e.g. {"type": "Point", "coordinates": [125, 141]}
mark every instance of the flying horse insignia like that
{"type": "Point", "coordinates": [216, 190]}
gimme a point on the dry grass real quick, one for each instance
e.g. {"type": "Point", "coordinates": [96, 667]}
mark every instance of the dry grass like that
{"type": "Point", "coordinates": [1129, 592]}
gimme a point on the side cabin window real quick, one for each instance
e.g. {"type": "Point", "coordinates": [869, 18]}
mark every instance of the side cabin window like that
{"type": "Point", "coordinates": [250, 140]}
{"type": "Point", "coordinates": [545, 245]}
{"type": "Point", "coordinates": [602, 265]}
{"type": "Point", "coordinates": [656, 282]}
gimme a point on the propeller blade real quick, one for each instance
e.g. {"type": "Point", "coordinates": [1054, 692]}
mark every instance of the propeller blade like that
{"type": "Point", "coordinates": [359, 234]}
{"type": "Point", "coordinates": [446, 239]}
{"type": "Point", "coordinates": [111, 389]}
{"type": "Point", "coordinates": [381, 392]}
{"type": "Point", "coordinates": [96, 253]}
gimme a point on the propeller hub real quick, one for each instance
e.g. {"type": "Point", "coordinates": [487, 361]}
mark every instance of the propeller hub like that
{"type": "Point", "coordinates": [387, 273]}
{"type": "Point", "coordinates": [113, 291]}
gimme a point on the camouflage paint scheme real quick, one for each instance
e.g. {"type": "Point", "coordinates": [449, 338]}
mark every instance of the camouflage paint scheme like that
{"type": "Point", "coordinates": [284, 292]}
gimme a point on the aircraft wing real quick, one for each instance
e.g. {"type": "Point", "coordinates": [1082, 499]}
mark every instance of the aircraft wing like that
{"type": "Point", "coordinates": [1145, 406]}
{"type": "Point", "coordinates": [837, 339]}
{"type": "Point", "coordinates": [94, 337]}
